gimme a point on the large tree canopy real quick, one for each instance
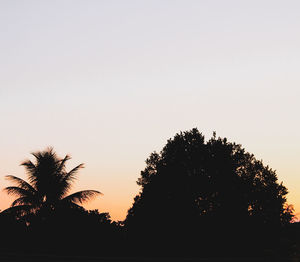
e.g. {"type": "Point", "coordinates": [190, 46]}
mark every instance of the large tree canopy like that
{"type": "Point", "coordinates": [193, 185]}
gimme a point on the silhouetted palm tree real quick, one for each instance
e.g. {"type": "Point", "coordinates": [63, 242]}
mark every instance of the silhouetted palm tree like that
{"type": "Point", "coordinates": [48, 186]}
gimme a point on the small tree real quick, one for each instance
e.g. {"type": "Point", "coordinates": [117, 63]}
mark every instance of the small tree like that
{"type": "Point", "coordinates": [48, 186]}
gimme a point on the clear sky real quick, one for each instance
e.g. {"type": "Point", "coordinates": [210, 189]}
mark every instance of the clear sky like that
{"type": "Point", "coordinates": [110, 81]}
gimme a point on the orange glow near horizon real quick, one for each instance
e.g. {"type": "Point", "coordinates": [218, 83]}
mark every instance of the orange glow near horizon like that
{"type": "Point", "coordinates": [109, 82]}
{"type": "Point", "coordinates": [116, 198]}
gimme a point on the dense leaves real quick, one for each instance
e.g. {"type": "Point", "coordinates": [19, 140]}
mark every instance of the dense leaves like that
{"type": "Point", "coordinates": [198, 189]}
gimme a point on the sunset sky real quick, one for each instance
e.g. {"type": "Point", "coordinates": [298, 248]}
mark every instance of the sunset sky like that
{"type": "Point", "coordinates": [108, 82]}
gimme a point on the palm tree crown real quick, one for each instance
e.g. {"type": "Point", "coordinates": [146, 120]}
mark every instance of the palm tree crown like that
{"type": "Point", "coordinates": [48, 185]}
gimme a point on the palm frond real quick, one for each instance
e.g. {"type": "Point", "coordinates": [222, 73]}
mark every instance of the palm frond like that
{"type": "Point", "coordinates": [42, 154]}
{"type": "Point", "coordinates": [19, 210]}
{"type": "Point", "coordinates": [21, 183]}
{"type": "Point", "coordinates": [71, 175]}
{"type": "Point", "coordinates": [68, 178]}
{"type": "Point", "coordinates": [62, 163]}
{"type": "Point", "coordinates": [82, 196]}
{"type": "Point", "coordinates": [26, 200]}
{"type": "Point", "coordinates": [17, 191]}
{"type": "Point", "coordinates": [68, 204]}
{"type": "Point", "coordinates": [37, 155]}
{"type": "Point", "coordinates": [29, 166]}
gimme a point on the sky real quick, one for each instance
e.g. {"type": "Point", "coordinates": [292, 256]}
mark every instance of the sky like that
{"type": "Point", "coordinates": [108, 82]}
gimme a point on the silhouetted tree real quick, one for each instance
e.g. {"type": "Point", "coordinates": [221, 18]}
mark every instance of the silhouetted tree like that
{"type": "Point", "coordinates": [48, 186]}
{"type": "Point", "coordinates": [212, 191]}
{"type": "Point", "coordinates": [75, 231]}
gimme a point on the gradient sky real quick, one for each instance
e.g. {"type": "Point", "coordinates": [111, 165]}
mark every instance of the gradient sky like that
{"type": "Point", "coordinates": [110, 81]}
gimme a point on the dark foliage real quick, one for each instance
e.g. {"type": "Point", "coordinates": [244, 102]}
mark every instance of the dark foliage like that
{"type": "Point", "coordinates": [47, 189]}
{"type": "Point", "coordinates": [44, 218]}
{"type": "Point", "coordinates": [68, 231]}
{"type": "Point", "coordinates": [75, 230]}
{"type": "Point", "coordinates": [198, 197]}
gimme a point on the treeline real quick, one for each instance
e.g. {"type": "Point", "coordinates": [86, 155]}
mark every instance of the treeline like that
{"type": "Point", "coordinates": [70, 231]}
{"type": "Point", "coordinates": [198, 199]}
{"type": "Point", "coordinates": [92, 234]}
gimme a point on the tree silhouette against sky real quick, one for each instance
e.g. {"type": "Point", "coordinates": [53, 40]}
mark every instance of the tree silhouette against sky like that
{"type": "Point", "coordinates": [213, 191]}
{"type": "Point", "coordinates": [47, 187]}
